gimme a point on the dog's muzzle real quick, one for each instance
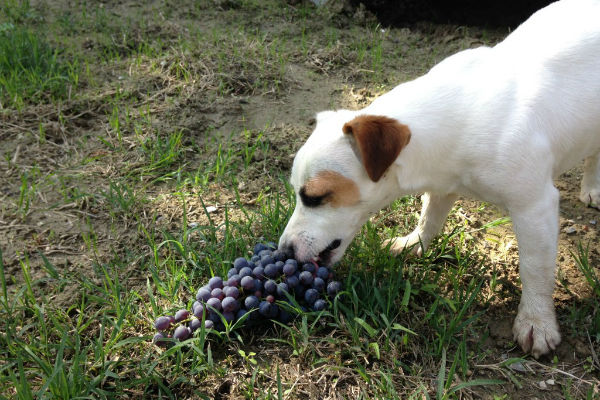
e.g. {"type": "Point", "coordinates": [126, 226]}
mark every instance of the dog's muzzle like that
{"type": "Point", "coordinates": [325, 255]}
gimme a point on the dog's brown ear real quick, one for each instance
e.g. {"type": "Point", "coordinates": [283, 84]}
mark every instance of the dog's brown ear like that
{"type": "Point", "coordinates": [379, 140]}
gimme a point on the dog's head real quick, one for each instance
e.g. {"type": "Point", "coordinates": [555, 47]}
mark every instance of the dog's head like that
{"type": "Point", "coordinates": [339, 176]}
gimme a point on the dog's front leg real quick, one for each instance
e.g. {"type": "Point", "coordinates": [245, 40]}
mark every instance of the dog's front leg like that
{"type": "Point", "coordinates": [536, 227]}
{"type": "Point", "coordinates": [433, 215]}
{"type": "Point", "coordinates": [590, 185]}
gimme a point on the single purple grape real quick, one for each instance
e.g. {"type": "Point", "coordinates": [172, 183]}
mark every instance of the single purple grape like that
{"type": "Point", "coordinates": [181, 332]}
{"type": "Point", "coordinates": [279, 265]}
{"type": "Point", "coordinates": [255, 258]}
{"type": "Point", "coordinates": [310, 267]}
{"type": "Point", "coordinates": [284, 315]}
{"type": "Point", "coordinates": [246, 271]}
{"type": "Point", "coordinates": [319, 305]}
{"type": "Point", "coordinates": [218, 293]}
{"type": "Point", "coordinates": [198, 311]}
{"type": "Point", "coordinates": [270, 286]}
{"type": "Point", "coordinates": [311, 295]}
{"type": "Point", "coordinates": [323, 273]}
{"type": "Point", "coordinates": [203, 295]}
{"type": "Point", "coordinates": [214, 317]}
{"type": "Point", "coordinates": [289, 269]}
{"type": "Point", "coordinates": [251, 302]}
{"type": "Point", "coordinates": [229, 304]}
{"type": "Point", "coordinates": [258, 247]}
{"type": "Point", "coordinates": [306, 278]}
{"type": "Point", "coordinates": [208, 324]}
{"type": "Point", "coordinates": [214, 303]}
{"type": "Point", "coordinates": [241, 312]}
{"type": "Point", "coordinates": [267, 259]}
{"type": "Point", "coordinates": [333, 288]}
{"type": "Point", "coordinates": [234, 280]}
{"type": "Point", "coordinates": [271, 271]}
{"type": "Point", "coordinates": [232, 291]}
{"type": "Point", "coordinates": [292, 261]}
{"type": "Point", "coordinates": [265, 252]}
{"type": "Point", "coordinates": [292, 281]}
{"type": "Point", "coordinates": [264, 308]}
{"type": "Point", "coordinates": [270, 298]}
{"type": "Point", "coordinates": [279, 255]}
{"type": "Point", "coordinates": [282, 289]}
{"type": "Point", "coordinates": [182, 315]}
{"type": "Point", "coordinates": [159, 340]}
{"type": "Point", "coordinates": [318, 284]}
{"type": "Point", "coordinates": [248, 283]}
{"type": "Point", "coordinates": [229, 317]}
{"type": "Point", "coordinates": [274, 311]}
{"type": "Point", "coordinates": [259, 286]}
{"type": "Point", "coordinates": [215, 282]}
{"type": "Point", "coordinates": [231, 272]}
{"type": "Point", "coordinates": [195, 323]}
{"type": "Point", "coordinates": [240, 263]}
{"type": "Point", "coordinates": [258, 272]}
{"type": "Point", "coordinates": [162, 323]}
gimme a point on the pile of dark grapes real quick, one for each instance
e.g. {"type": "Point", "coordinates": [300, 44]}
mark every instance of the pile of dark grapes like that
{"type": "Point", "coordinates": [268, 286]}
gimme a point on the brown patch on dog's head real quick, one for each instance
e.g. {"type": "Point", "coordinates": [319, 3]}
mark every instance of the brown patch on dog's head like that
{"type": "Point", "coordinates": [379, 140]}
{"type": "Point", "coordinates": [329, 187]}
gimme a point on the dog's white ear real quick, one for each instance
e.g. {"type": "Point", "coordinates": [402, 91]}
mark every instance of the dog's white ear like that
{"type": "Point", "coordinates": [379, 140]}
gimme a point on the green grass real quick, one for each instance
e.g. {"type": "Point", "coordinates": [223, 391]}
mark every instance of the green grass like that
{"type": "Point", "coordinates": [142, 177]}
{"type": "Point", "coordinates": [30, 69]}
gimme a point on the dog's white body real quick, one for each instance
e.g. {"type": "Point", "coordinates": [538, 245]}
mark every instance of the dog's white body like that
{"type": "Point", "coordinates": [495, 123]}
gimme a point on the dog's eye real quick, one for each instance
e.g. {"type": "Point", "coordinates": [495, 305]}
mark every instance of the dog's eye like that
{"type": "Point", "coordinates": [311, 201]}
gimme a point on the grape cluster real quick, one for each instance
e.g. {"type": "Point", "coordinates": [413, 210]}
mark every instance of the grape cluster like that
{"type": "Point", "coordinates": [268, 286]}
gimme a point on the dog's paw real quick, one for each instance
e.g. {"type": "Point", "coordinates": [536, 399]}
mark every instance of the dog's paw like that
{"type": "Point", "coordinates": [591, 198]}
{"type": "Point", "coordinates": [535, 333]}
{"type": "Point", "coordinates": [413, 242]}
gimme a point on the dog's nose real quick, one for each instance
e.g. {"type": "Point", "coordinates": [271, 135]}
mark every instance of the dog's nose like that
{"type": "Point", "coordinates": [287, 249]}
{"type": "Point", "coordinates": [335, 244]}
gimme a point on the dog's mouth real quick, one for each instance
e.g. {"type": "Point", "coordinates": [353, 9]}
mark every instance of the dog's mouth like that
{"type": "Point", "coordinates": [324, 256]}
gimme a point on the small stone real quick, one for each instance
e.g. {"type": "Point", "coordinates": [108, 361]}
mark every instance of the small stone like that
{"type": "Point", "coordinates": [517, 366]}
{"type": "Point", "coordinates": [550, 382]}
{"type": "Point", "coordinates": [211, 209]}
{"type": "Point", "coordinates": [542, 385]}
{"type": "Point", "coordinates": [593, 222]}
{"type": "Point", "coordinates": [569, 230]}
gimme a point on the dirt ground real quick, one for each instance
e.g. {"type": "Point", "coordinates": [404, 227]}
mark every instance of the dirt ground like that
{"type": "Point", "coordinates": [62, 222]}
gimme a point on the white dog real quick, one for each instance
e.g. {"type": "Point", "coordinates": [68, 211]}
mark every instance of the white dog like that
{"type": "Point", "coordinates": [495, 123]}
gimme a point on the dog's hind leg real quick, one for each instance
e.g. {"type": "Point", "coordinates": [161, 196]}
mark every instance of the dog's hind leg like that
{"type": "Point", "coordinates": [590, 184]}
{"type": "Point", "coordinates": [535, 223]}
{"type": "Point", "coordinates": [433, 215]}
